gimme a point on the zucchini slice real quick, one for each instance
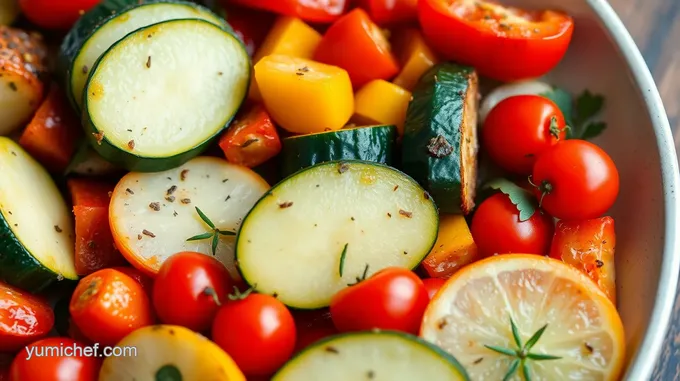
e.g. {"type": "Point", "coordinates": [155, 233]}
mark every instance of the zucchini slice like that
{"type": "Point", "coordinates": [160, 95]}
{"type": "Point", "coordinates": [372, 143]}
{"type": "Point", "coordinates": [118, 26]}
{"type": "Point", "coordinates": [168, 353]}
{"type": "Point", "coordinates": [440, 138]}
{"type": "Point", "coordinates": [317, 231]}
{"type": "Point", "coordinates": [153, 214]}
{"type": "Point", "coordinates": [36, 228]}
{"type": "Point", "coordinates": [375, 356]}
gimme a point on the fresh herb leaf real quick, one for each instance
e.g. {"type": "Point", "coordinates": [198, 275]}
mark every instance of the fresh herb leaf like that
{"type": "Point", "coordinates": [512, 370]}
{"type": "Point", "coordinates": [538, 356]}
{"type": "Point", "coordinates": [205, 218]}
{"type": "Point", "coordinates": [564, 101]}
{"type": "Point", "coordinates": [526, 371]}
{"type": "Point", "coordinates": [578, 113]}
{"type": "Point", "coordinates": [534, 339]}
{"type": "Point", "coordinates": [342, 259]}
{"type": "Point", "coordinates": [501, 350]}
{"type": "Point", "coordinates": [215, 241]}
{"type": "Point", "coordinates": [200, 237]}
{"type": "Point", "coordinates": [520, 197]}
{"type": "Point", "coordinates": [593, 129]}
{"type": "Point", "coordinates": [515, 333]}
{"type": "Point", "coordinates": [588, 105]}
{"type": "Point", "coordinates": [228, 233]}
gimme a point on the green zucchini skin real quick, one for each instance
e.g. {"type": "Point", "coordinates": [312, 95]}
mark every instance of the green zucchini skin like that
{"type": "Point", "coordinates": [17, 266]}
{"type": "Point", "coordinates": [439, 143]}
{"type": "Point", "coordinates": [135, 163]}
{"type": "Point", "coordinates": [371, 143]}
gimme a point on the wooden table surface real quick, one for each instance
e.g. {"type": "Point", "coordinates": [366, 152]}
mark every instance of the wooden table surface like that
{"type": "Point", "coordinates": [655, 26]}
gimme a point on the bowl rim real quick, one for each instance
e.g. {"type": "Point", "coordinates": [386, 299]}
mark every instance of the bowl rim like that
{"type": "Point", "coordinates": [646, 357]}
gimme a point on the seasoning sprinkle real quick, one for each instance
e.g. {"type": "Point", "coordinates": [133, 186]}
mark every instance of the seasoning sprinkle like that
{"type": "Point", "coordinates": [389, 214]}
{"type": "Point", "coordinates": [589, 348]}
{"type": "Point", "coordinates": [171, 190]}
{"type": "Point", "coordinates": [128, 190]}
{"type": "Point", "coordinates": [131, 144]}
{"type": "Point", "coordinates": [405, 213]}
{"type": "Point", "coordinates": [249, 142]}
{"type": "Point", "coordinates": [599, 263]}
{"type": "Point", "coordinates": [227, 199]}
{"type": "Point", "coordinates": [332, 350]}
{"type": "Point", "coordinates": [85, 69]}
{"type": "Point", "coordinates": [91, 244]}
{"type": "Point", "coordinates": [343, 168]}
{"type": "Point", "coordinates": [370, 374]}
{"type": "Point", "coordinates": [478, 360]}
{"type": "Point", "coordinates": [139, 237]}
{"type": "Point", "coordinates": [225, 180]}
{"type": "Point", "coordinates": [170, 198]}
{"type": "Point", "coordinates": [148, 233]}
{"type": "Point", "coordinates": [148, 63]}
{"type": "Point", "coordinates": [183, 174]}
{"type": "Point", "coordinates": [395, 188]}
{"type": "Point", "coordinates": [155, 206]}
{"type": "Point", "coordinates": [185, 201]}
{"type": "Point", "coordinates": [57, 229]}
{"type": "Point", "coordinates": [13, 86]}
{"type": "Point", "coordinates": [99, 137]}
{"type": "Point", "coordinates": [286, 204]}
{"type": "Point", "coordinates": [174, 213]}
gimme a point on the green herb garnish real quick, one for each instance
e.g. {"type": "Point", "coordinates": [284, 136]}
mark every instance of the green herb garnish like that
{"type": "Point", "coordinates": [215, 233]}
{"type": "Point", "coordinates": [342, 260]}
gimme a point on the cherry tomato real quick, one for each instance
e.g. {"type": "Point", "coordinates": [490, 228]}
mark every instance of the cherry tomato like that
{"type": "Point", "coordinates": [189, 288]}
{"type": "Point", "coordinates": [24, 318]}
{"type": "Point", "coordinates": [576, 180]}
{"type": "Point", "coordinates": [393, 298]}
{"type": "Point", "coordinates": [353, 36]}
{"type": "Point", "coordinates": [497, 229]}
{"type": "Point", "coordinates": [250, 25]}
{"type": "Point", "coordinates": [588, 245]}
{"type": "Point", "coordinates": [251, 140]}
{"type": "Point", "coordinates": [56, 359]}
{"type": "Point", "coordinates": [432, 285]}
{"type": "Point", "coordinates": [257, 331]}
{"type": "Point", "coordinates": [108, 305]}
{"type": "Point", "coordinates": [503, 43]}
{"type": "Point", "coordinates": [519, 129]}
{"type": "Point", "coordinates": [385, 12]}
{"type": "Point", "coordinates": [312, 326]}
{"type": "Point", "coordinates": [314, 11]}
{"type": "Point", "coordinates": [144, 280]}
{"type": "Point", "coordinates": [55, 14]}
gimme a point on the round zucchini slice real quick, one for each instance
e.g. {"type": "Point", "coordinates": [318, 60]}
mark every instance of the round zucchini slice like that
{"type": "Point", "coordinates": [375, 356]}
{"type": "Point", "coordinates": [160, 95]}
{"type": "Point", "coordinates": [318, 230]}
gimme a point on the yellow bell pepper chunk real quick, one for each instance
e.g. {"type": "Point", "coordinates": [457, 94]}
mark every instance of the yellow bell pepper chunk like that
{"type": "Point", "coordinates": [454, 248]}
{"type": "Point", "coordinates": [415, 58]}
{"type": "Point", "coordinates": [382, 102]}
{"type": "Point", "coordinates": [304, 96]}
{"type": "Point", "coordinates": [289, 36]}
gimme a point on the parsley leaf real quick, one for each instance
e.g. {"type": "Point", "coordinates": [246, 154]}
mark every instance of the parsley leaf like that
{"type": "Point", "coordinates": [577, 113]}
{"type": "Point", "coordinates": [564, 101]}
{"type": "Point", "coordinates": [588, 105]}
{"type": "Point", "coordinates": [526, 202]}
{"type": "Point", "coordinates": [593, 129]}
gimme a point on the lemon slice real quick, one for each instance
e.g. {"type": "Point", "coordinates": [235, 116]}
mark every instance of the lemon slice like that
{"type": "Point", "coordinates": [478, 306]}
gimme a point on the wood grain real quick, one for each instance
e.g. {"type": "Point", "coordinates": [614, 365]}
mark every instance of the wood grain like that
{"type": "Point", "coordinates": [655, 26]}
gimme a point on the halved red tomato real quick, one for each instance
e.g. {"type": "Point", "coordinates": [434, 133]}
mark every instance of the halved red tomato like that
{"type": "Point", "coordinates": [503, 43]}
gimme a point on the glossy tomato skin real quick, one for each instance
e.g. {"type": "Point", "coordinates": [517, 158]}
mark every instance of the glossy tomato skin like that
{"type": "Point", "coordinates": [472, 33]}
{"type": "Point", "coordinates": [258, 332]}
{"type": "Point", "coordinates": [144, 280]}
{"type": "Point", "coordinates": [497, 229]}
{"type": "Point", "coordinates": [48, 364]}
{"type": "Point", "coordinates": [576, 180]}
{"type": "Point", "coordinates": [386, 12]}
{"type": "Point", "coordinates": [24, 318]}
{"type": "Point", "coordinates": [189, 288]}
{"type": "Point", "coordinates": [353, 36]}
{"type": "Point", "coordinates": [107, 305]}
{"type": "Point", "coordinates": [519, 129]}
{"type": "Point", "coordinates": [55, 14]}
{"type": "Point", "coordinates": [433, 285]}
{"type": "Point", "coordinates": [320, 11]}
{"type": "Point", "coordinates": [393, 298]}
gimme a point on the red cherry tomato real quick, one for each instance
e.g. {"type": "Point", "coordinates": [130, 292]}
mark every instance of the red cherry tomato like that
{"type": "Point", "coordinates": [393, 298]}
{"type": "Point", "coordinates": [313, 11]}
{"type": "Point", "coordinates": [432, 285]}
{"type": "Point", "coordinates": [250, 25]}
{"type": "Point", "coordinates": [391, 11]}
{"type": "Point", "coordinates": [107, 305]}
{"type": "Point", "coordinates": [503, 43]}
{"type": "Point", "coordinates": [24, 318]}
{"type": "Point", "coordinates": [497, 229]}
{"type": "Point", "coordinates": [576, 180]}
{"type": "Point", "coordinates": [189, 288]}
{"type": "Point", "coordinates": [55, 359]}
{"type": "Point", "coordinates": [354, 36]}
{"type": "Point", "coordinates": [55, 14]}
{"type": "Point", "coordinates": [144, 280]}
{"type": "Point", "coordinates": [257, 331]}
{"type": "Point", "coordinates": [519, 129]}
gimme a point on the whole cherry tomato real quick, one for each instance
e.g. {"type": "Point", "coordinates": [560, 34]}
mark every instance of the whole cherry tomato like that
{"type": "Point", "coordinates": [432, 285]}
{"type": "Point", "coordinates": [55, 14]}
{"type": "Point", "coordinates": [257, 331]}
{"type": "Point", "coordinates": [385, 12]}
{"type": "Point", "coordinates": [393, 298]}
{"type": "Point", "coordinates": [56, 359]}
{"type": "Point", "coordinates": [497, 229]}
{"type": "Point", "coordinates": [313, 11]}
{"type": "Point", "coordinates": [189, 289]}
{"type": "Point", "coordinates": [144, 280]}
{"type": "Point", "coordinates": [576, 180]}
{"type": "Point", "coordinates": [107, 305]}
{"type": "Point", "coordinates": [24, 318]}
{"type": "Point", "coordinates": [503, 43]}
{"type": "Point", "coordinates": [519, 129]}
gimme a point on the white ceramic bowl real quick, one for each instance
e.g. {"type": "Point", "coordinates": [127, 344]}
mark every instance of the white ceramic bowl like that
{"type": "Point", "coordinates": [604, 59]}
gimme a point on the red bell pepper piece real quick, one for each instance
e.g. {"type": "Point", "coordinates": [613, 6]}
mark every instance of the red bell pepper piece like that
{"type": "Point", "coordinates": [252, 138]}
{"type": "Point", "coordinates": [94, 241]}
{"type": "Point", "coordinates": [385, 12]}
{"type": "Point", "coordinates": [588, 246]}
{"type": "Point", "coordinates": [52, 134]}
{"type": "Point", "coordinates": [357, 44]}
{"type": "Point", "coordinates": [250, 25]}
{"type": "Point", "coordinates": [320, 11]}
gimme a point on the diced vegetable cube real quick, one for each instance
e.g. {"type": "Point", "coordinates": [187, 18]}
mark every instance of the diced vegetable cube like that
{"type": "Point", "coordinates": [252, 139]}
{"type": "Point", "coordinates": [382, 102]}
{"type": "Point", "coordinates": [454, 248]}
{"type": "Point", "coordinates": [414, 56]}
